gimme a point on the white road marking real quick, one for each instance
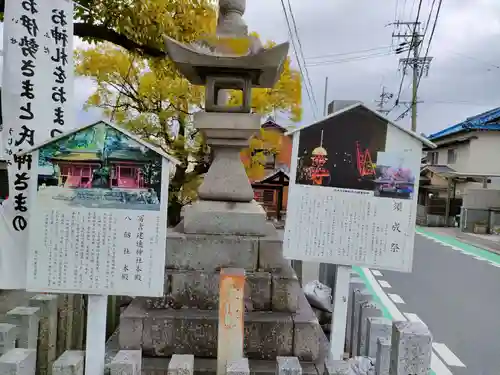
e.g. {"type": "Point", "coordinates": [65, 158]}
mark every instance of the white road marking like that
{"type": "Point", "coordinates": [396, 299]}
{"type": "Point", "coordinates": [494, 264]}
{"type": "Point", "coordinates": [447, 355]}
{"type": "Point", "coordinates": [377, 273]}
{"type": "Point", "coordinates": [413, 318]}
{"type": "Point", "coordinates": [384, 284]}
{"type": "Point", "coordinates": [438, 366]}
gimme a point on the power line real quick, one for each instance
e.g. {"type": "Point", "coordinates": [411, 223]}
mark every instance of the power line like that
{"type": "Point", "coordinates": [350, 59]}
{"type": "Point", "coordinates": [301, 69]}
{"type": "Point", "coordinates": [349, 53]}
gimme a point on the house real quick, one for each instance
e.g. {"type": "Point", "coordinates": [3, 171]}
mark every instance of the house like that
{"type": "Point", "coordinates": [466, 158]}
{"type": "Point", "coordinates": [270, 183]}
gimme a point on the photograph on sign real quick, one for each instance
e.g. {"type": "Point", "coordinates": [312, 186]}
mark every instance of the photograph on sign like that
{"type": "Point", "coordinates": [99, 167]}
{"type": "Point", "coordinates": [99, 214]}
{"type": "Point", "coordinates": [342, 157]}
{"type": "Point", "coordinates": [394, 176]}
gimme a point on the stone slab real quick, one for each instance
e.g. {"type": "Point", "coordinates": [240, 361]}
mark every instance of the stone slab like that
{"type": "Point", "coordinates": [355, 283]}
{"type": "Point", "coordinates": [181, 364]}
{"type": "Point", "coordinates": [359, 296]}
{"type": "Point", "coordinates": [206, 366]}
{"type": "Point", "coordinates": [368, 309]}
{"type": "Point", "coordinates": [207, 252]}
{"type": "Point", "coordinates": [383, 357]}
{"type": "Point", "coordinates": [71, 362]}
{"type": "Point", "coordinates": [271, 253]}
{"type": "Point", "coordinates": [188, 331]}
{"type": "Point", "coordinates": [288, 366]}
{"type": "Point", "coordinates": [18, 362]}
{"type": "Point", "coordinates": [233, 218]}
{"type": "Point", "coordinates": [377, 328]}
{"type": "Point", "coordinates": [238, 367]}
{"type": "Point", "coordinates": [334, 367]}
{"type": "Point", "coordinates": [285, 290]}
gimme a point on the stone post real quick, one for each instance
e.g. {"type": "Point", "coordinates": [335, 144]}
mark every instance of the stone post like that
{"type": "Point", "coordinates": [354, 284]}
{"type": "Point", "coordinates": [47, 331]}
{"type": "Point", "coordinates": [8, 337]}
{"type": "Point", "coordinates": [336, 367]}
{"type": "Point", "coordinates": [288, 366]}
{"type": "Point", "coordinates": [71, 362]}
{"type": "Point", "coordinates": [383, 357]}
{"type": "Point", "coordinates": [411, 349]}
{"type": "Point", "coordinates": [378, 328]}
{"type": "Point", "coordinates": [27, 321]}
{"type": "Point", "coordinates": [65, 313]}
{"type": "Point", "coordinates": [126, 362]}
{"type": "Point", "coordinates": [368, 310]}
{"type": "Point", "coordinates": [231, 324]}
{"type": "Point", "coordinates": [18, 362]}
{"type": "Point", "coordinates": [360, 296]}
{"type": "Point", "coordinates": [181, 364]}
{"type": "Point", "coordinates": [238, 367]}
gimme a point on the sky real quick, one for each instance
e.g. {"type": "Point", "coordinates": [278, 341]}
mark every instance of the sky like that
{"type": "Point", "coordinates": [339, 39]}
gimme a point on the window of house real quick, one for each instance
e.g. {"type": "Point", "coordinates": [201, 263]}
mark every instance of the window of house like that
{"type": "Point", "coordinates": [268, 197]}
{"type": "Point", "coordinates": [433, 158]}
{"type": "Point", "coordinates": [452, 156]}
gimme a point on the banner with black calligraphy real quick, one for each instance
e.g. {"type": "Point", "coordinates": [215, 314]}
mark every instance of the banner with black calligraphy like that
{"type": "Point", "coordinates": [37, 102]}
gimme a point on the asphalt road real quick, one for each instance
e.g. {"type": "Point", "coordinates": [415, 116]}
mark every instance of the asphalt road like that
{"type": "Point", "coordinates": [458, 297]}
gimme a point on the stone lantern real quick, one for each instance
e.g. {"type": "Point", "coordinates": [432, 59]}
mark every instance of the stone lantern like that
{"type": "Point", "coordinates": [226, 204]}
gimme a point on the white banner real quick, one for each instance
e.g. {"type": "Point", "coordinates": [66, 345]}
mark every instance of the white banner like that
{"type": "Point", "coordinates": [37, 102]}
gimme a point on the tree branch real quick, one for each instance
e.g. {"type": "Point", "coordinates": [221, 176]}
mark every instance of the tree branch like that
{"type": "Point", "coordinates": [100, 32]}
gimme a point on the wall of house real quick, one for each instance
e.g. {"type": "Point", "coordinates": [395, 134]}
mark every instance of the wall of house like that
{"type": "Point", "coordinates": [481, 198]}
{"type": "Point", "coordinates": [462, 156]}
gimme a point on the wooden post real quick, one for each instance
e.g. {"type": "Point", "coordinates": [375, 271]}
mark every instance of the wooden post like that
{"type": "Point", "coordinates": [231, 323]}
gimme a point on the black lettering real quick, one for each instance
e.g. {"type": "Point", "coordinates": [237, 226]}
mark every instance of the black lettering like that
{"type": "Point", "coordinates": [28, 88]}
{"type": "Point", "coordinates": [60, 74]}
{"type": "Point", "coordinates": [60, 36]}
{"type": "Point", "coordinates": [61, 56]}
{"type": "Point", "coordinates": [21, 181]}
{"type": "Point", "coordinates": [19, 223]}
{"type": "Point", "coordinates": [27, 68]}
{"type": "Point", "coordinates": [30, 6]}
{"type": "Point", "coordinates": [30, 25]}
{"type": "Point", "coordinates": [28, 113]}
{"type": "Point", "coordinates": [26, 135]}
{"type": "Point", "coordinates": [58, 94]}
{"type": "Point", "coordinates": [29, 47]}
{"type": "Point", "coordinates": [20, 203]}
{"type": "Point", "coordinates": [21, 160]}
{"type": "Point", "coordinates": [55, 133]}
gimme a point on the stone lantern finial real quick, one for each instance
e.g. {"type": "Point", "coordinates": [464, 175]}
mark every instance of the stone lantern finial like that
{"type": "Point", "coordinates": [231, 22]}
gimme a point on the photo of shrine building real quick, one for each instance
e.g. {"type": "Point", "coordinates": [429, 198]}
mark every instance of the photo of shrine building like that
{"type": "Point", "coordinates": [100, 166]}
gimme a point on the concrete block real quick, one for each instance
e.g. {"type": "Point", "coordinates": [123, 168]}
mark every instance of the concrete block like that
{"type": "Point", "coordinates": [377, 328]}
{"type": "Point", "coordinates": [27, 321]}
{"type": "Point", "coordinates": [71, 362]}
{"type": "Point", "coordinates": [383, 357]}
{"type": "Point", "coordinates": [194, 289]}
{"type": "Point", "coordinates": [334, 367]}
{"type": "Point", "coordinates": [18, 362]}
{"type": "Point", "coordinates": [181, 364]}
{"type": "Point", "coordinates": [368, 310]}
{"type": "Point", "coordinates": [354, 284]}
{"type": "Point", "coordinates": [8, 337]}
{"type": "Point", "coordinates": [210, 252]}
{"type": "Point", "coordinates": [131, 326]}
{"type": "Point", "coordinates": [307, 332]}
{"type": "Point", "coordinates": [285, 290]}
{"type": "Point", "coordinates": [271, 253]}
{"type": "Point", "coordinates": [411, 349]}
{"type": "Point", "coordinates": [126, 362]}
{"type": "Point", "coordinates": [288, 366]}
{"type": "Point", "coordinates": [258, 289]}
{"type": "Point", "coordinates": [359, 296]}
{"type": "Point", "coordinates": [238, 367]}
{"type": "Point", "coordinates": [226, 218]}
{"type": "Point", "coordinates": [47, 331]}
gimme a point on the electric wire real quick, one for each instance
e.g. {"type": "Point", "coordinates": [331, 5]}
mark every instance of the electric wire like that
{"type": "Point", "coordinates": [350, 59]}
{"type": "Point", "coordinates": [349, 53]}
{"type": "Point", "coordinates": [312, 100]}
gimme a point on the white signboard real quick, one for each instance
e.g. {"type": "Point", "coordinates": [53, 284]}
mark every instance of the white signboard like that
{"type": "Point", "coordinates": [99, 219]}
{"type": "Point", "coordinates": [351, 201]}
{"type": "Point", "coordinates": [37, 102]}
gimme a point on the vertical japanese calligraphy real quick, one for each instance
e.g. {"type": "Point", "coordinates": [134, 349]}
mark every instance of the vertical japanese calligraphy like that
{"type": "Point", "coordinates": [27, 102]}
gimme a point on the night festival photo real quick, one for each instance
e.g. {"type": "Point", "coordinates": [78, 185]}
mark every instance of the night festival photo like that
{"type": "Point", "coordinates": [99, 167]}
{"type": "Point", "coordinates": [395, 178]}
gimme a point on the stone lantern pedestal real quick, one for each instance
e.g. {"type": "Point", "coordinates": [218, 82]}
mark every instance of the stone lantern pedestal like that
{"type": "Point", "coordinates": [226, 228]}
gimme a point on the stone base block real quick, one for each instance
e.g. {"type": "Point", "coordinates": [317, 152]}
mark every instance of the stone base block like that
{"type": "Point", "coordinates": [216, 217]}
{"type": "Point", "coordinates": [206, 366]}
{"type": "Point", "coordinates": [210, 252]}
{"type": "Point", "coordinates": [264, 291]}
{"type": "Point", "coordinates": [164, 332]}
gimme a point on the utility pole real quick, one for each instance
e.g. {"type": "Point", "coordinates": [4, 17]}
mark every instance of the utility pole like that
{"type": "Point", "coordinates": [412, 38]}
{"type": "Point", "coordinates": [325, 100]}
{"type": "Point", "coordinates": [384, 98]}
